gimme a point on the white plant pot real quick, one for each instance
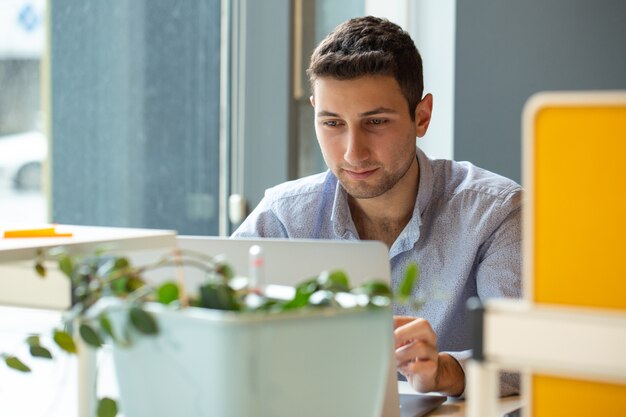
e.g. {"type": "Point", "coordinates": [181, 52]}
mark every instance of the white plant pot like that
{"type": "Point", "coordinates": [205, 363]}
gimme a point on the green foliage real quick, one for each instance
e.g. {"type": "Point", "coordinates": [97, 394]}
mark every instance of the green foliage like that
{"type": "Point", "coordinates": [66, 265]}
{"type": "Point", "coordinates": [36, 350]}
{"type": "Point", "coordinates": [40, 269]}
{"type": "Point", "coordinates": [411, 276]}
{"type": "Point", "coordinates": [143, 321]}
{"type": "Point", "coordinates": [90, 335]}
{"type": "Point", "coordinates": [302, 295]}
{"type": "Point", "coordinates": [14, 363]}
{"type": "Point", "coordinates": [40, 352]}
{"type": "Point", "coordinates": [102, 277]}
{"type": "Point", "coordinates": [167, 293]}
{"type": "Point", "coordinates": [107, 407]}
{"type": "Point", "coordinates": [65, 341]}
{"type": "Point", "coordinates": [219, 296]}
{"type": "Point", "coordinates": [334, 281]}
{"type": "Point", "coordinates": [374, 288]}
{"type": "Point", "coordinates": [224, 270]}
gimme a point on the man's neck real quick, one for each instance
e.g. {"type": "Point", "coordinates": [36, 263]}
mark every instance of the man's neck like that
{"type": "Point", "coordinates": [383, 218]}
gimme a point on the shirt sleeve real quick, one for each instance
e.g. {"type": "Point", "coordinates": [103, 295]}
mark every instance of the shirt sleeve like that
{"type": "Point", "coordinates": [262, 222]}
{"type": "Point", "coordinates": [509, 381]}
{"type": "Point", "coordinates": [500, 270]}
{"type": "Point", "coordinates": [499, 267]}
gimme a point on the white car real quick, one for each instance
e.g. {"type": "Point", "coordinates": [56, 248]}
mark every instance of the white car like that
{"type": "Point", "coordinates": [21, 156]}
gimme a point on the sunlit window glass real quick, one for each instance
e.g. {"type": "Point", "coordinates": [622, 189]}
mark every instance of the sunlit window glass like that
{"type": "Point", "coordinates": [23, 145]}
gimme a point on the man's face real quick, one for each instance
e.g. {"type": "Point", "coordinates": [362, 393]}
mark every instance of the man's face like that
{"type": "Point", "coordinates": [365, 132]}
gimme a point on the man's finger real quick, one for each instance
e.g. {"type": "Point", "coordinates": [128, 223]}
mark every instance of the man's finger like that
{"type": "Point", "coordinates": [415, 351]}
{"type": "Point", "coordinates": [416, 329]}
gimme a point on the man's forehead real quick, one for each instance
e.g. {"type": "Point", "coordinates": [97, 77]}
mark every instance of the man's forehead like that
{"type": "Point", "coordinates": [364, 96]}
{"type": "Point", "coordinates": [373, 79]}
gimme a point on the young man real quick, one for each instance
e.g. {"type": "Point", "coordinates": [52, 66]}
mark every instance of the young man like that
{"type": "Point", "coordinates": [460, 223]}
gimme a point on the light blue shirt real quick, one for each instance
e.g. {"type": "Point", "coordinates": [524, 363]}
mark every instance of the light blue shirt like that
{"type": "Point", "coordinates": [465, 235]}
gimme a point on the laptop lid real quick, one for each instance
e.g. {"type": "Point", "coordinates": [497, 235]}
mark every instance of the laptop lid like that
{"type": "Point", "coordinates": [290, 261]}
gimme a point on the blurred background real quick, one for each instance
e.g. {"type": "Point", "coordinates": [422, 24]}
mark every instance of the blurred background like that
{"type": "Point", "coordinates": [154, 113]}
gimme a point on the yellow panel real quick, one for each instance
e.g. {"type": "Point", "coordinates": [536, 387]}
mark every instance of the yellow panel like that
{"type": "Point", "coordinates": [574, 398]}
{"type": "Point", "coordinates": [580, 206]}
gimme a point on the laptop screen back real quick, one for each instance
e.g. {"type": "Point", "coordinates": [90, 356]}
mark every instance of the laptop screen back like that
{"type": "Point", "coordinates": [290, 261]}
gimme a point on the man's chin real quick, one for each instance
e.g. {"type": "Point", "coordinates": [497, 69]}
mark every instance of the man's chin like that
{"type": "Point", "coordinates": [361, 191]}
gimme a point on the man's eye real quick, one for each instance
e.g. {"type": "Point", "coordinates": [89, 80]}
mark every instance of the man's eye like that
{"type": "Point", "coordinates": [378, 121]}
{"type": "Point", "coordinates": [330, 123]}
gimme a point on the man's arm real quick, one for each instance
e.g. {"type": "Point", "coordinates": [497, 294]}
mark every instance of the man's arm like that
{"type": "Point", "coordinates": [418, 360]}
{"type": "Point", "coordinates": [498, 274]}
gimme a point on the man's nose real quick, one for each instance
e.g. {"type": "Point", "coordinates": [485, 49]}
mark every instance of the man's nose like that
{"type": "Point", "coordinates": [357, 150]}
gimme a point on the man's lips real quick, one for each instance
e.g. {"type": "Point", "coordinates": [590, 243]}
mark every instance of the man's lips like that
{"type": "Point", "coordinates": [360, 174]}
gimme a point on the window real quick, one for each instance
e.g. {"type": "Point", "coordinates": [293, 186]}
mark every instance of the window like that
{"type": "Point", "coordinates": [135, 113]}
{"type": "Point", "coordinates": [23, 146]}
{"type": "Point", "coordinates": [317, 18]}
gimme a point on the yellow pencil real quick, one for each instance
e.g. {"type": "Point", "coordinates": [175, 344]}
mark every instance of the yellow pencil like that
{"type": "Point", "coordinates": [30, 233]}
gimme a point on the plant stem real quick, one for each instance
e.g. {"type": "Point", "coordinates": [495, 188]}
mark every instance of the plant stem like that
{"type": "Point", "coordinates": [180, 278]}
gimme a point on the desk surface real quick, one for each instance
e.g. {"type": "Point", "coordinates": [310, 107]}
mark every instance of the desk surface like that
{"type": "Point", "coordinates": [456, 408]}
{"type": "Point", "coordinates": [20, 286]}
{"type": "Point", "coordinates": [86, 239]}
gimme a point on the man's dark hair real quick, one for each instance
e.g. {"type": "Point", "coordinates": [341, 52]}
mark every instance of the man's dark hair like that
{"type": "Point", "coordinates": [370, 46]}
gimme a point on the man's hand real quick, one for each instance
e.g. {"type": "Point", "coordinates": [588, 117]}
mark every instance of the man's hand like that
{"type": "Point", "coordinates": [419, 361]}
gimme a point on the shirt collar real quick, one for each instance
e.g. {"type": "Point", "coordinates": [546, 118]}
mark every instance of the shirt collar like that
{"type": "Point", "coordinates": [426, 182]}
{"type": "Point", "coordinates": [344, 227]}
{"type": "Point", "coordinates": [411, 233]}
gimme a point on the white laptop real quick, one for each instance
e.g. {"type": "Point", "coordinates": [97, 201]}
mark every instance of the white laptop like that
{"type": "Point", "coordinates": [361, 260]}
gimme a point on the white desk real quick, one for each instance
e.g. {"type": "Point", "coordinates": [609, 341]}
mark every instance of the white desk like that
{"type": "Point", "coordinates": [19, 285]}
{"type": "Point", "coordinates": [85, 239]}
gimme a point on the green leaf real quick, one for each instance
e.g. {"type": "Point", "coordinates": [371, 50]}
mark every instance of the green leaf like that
{"type": "Point", "coordinates": [167, 293]}
{"type": "Point", "coordinates": [225, 270]}
{"type": "Point", "coordinates": [107, 327]}
{"type": "Point", "coordinates": [322, 298]}
{"type": "Point", "coordinates": [134, 283]}
{"type": "Point", "coordinates": [218, 296]}
{"type": "Point", "coordinates": [334, 281]}
{"type": "Point", "coordinates": [118, 285]}
{"type": "Point", "coordinates": [308, 287]}
{"type": "Point", "coordinates": [64, 341]}
{"type": "Point", "coordinates": [106, 407]}
{"type": "Point", "coordinates": [90, 335]}
{"type": "Point", "coordinates": [40, 352]}
{"type": "Point", "coordinates": [411, 275]}
{"type": "Point", "coordinates": [66, 265]}
{"type": "Point", "coordinates": [374, 288]}
{"type": "Point", "coordinates": [121, 263]}
{"type": "Point", "coordinates": [15, 363]}
{"type": "Point", "coordinates": [105, 324]}
{"type": "Point", "coordinates": [40, 269]}
{"type": "Point", "coordinates": [143, 321]}
{"type": "Point", "coordinates": [33, 340]}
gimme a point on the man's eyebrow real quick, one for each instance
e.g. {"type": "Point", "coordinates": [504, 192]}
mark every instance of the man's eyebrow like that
{"type": "Point", "coordinates": [378, 110]}
{"type": "Point", "coordinates": [325, 113]}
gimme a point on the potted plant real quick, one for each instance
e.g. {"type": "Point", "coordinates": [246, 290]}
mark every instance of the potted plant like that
{"type": "Point", "coordinates": [229, 348]}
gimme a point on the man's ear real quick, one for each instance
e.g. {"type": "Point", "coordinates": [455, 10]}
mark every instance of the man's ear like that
{"type": "Point", "coordinates": [423, 112]}
{"type": "Point", "coordinates": [312, 100]}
